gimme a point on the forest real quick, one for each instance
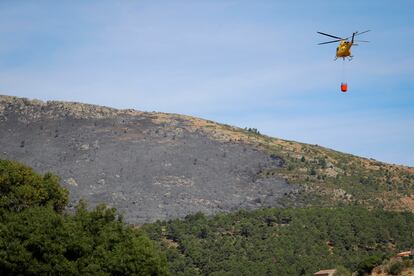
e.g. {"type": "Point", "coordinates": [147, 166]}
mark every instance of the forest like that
{"type": "Point", "coordinates": [37, 236]}
{"type": "Point", "coordinates": [283, 241]}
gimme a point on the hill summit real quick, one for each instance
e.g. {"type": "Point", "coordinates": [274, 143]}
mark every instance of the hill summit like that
{"type": "Point", "coordinates": [153, 165]}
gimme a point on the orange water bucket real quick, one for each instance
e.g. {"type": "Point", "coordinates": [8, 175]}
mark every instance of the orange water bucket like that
{"type": "Point", "coordinates": [344, 87]}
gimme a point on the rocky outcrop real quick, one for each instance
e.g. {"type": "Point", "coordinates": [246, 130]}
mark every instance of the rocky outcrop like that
{"type": "Point", "coordinates": [148, 165]}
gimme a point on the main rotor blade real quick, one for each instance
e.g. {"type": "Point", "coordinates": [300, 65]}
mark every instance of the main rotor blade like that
{"type": "Point", "coordinates": [329, 35]}
{"type": "Point", "coordinates": [330, 41]}
{"type": "Point", "coordinates": [357, 33]}
{"type": "Point", "coordinates": [362, 32]}
{"type": "Point", "coordinates": [361, 40]}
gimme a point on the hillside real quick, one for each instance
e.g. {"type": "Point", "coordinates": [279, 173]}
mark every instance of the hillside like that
{"type": "Point", "coordinates": [161, 166]}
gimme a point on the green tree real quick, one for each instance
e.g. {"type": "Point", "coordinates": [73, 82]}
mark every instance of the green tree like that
{"type": "Point", "coordinates": [21, 187]}
{"type": "Point", "coordinates": [342, 271]}
{"type": "Point", "coordinates": [37, 238]}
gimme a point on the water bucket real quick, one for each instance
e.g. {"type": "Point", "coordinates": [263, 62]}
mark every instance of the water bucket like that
{"type": "Point", "coordinates": [344, 87]}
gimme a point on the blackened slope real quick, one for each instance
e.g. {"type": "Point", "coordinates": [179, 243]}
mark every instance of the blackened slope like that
{"type": "Point", "coordinates": [145, 167]}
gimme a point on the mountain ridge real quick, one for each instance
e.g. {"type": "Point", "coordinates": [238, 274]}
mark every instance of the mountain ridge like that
{"type": "Point", "coordinates": [213, 167]}
{"type": "Point", "coordinates": [150, 166]}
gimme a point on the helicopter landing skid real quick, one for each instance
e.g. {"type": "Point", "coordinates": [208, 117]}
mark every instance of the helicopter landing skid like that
{"type": "Point", "coordinates": [343, 58]}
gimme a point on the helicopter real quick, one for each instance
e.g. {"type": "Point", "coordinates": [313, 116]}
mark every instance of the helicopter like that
{"type": "Point", "coordinates": [344, 49]}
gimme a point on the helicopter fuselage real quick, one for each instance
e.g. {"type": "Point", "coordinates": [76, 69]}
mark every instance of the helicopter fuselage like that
{"type": "Point", "coordinates": [344, 49]}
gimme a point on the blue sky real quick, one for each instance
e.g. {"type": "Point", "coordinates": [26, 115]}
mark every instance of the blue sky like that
{"type": "Point", "coordinates": [244, 63]}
